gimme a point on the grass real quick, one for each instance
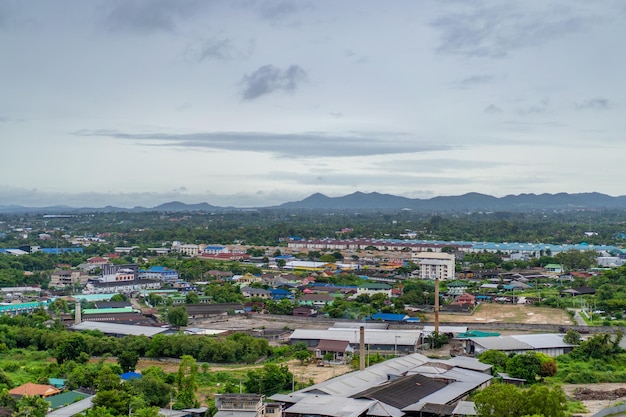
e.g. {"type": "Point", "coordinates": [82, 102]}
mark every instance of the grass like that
{"type": "Point", "coordinates": [24, 365]}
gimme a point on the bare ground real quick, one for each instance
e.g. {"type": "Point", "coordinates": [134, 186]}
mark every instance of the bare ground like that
{"type": "Point", "coordinates": [508, 313]}
{"type": "Point", "coordinates": [595, 405]}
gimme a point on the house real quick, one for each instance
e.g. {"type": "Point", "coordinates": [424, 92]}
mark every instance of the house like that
{"type": "Point", "coordinates": [304, 311]}
{"type": "Point", "coordinates": [457, 287]}
{"type": "Point", "coordinates": [316, 300]}
{"type": "Point", "coordinates": [239, 405]}
{"type": "Point", "coordinates": [465, 298]}
{"type": "Point", "coordinates": [579, 291]}
{"type": "Point", "coordinates": [279, 294]}
{"type": "Point", "coordinates": [34, 390]}
{"type": "Point", "coordinates": [371, 288]}
{"type": "Point", "coordinates": [555, 268]}
{"type": "Point", "coordinates": [340, 349]}
{"type": "Point", "coordinates": [250, 292]}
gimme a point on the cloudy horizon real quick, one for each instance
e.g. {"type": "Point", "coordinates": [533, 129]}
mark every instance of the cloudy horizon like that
{"type": "Point", "coordinates": [255, 103]}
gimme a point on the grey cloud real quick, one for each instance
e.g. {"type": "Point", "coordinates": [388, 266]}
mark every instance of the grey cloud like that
{"type": "Point", "coordinates": [475, 80]}
{"type": "Point", "coordinates": [543, 106]}
{"type": "Point", "coordinates": [595, 104]}
{"type": "Point", "coordinates": [224, 49]}
{"type": "Point", "coordinates": [147, 16]}
{"type": "Point", "coordinates": [336, 115]}
{"type": "Point", "coordinates": [496, 31]}
{"type": "Point", "coordinates": [296, 145]}
{"type": "Point", "coordinates": [283, 12]}
{"type": "Point", "coordinates": [492, 109]}
{"type": "Point", "coordinates": [359, 59]}
{"type": "Point", "coordinates": [269, 79]}
{"type": "Point", "coordinates": [437, 165]}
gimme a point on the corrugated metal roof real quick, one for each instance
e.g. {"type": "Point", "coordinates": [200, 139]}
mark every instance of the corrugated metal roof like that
{"type": "Point", "coordinates": [123, 329]}
{"type": "Point", "coordinates": [332, 406]}
{"type": "Point", "coordinates": [372, 336]}
{"type": "Point", "coordinates": [543, 341]}
{"type": "Point", "coordinates": [501, 343]}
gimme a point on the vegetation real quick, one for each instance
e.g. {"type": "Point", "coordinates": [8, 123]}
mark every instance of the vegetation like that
{"type": "Point", "coordinates": [507, 400]}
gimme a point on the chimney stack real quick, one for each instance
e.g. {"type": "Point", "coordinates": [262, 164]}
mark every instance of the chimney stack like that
{"type": "Point", "coordinates": [361, 348]}
{"type": "Point", "coordinates": [77, 313]}
{"type": "Point", "coordinates": [437, 305]}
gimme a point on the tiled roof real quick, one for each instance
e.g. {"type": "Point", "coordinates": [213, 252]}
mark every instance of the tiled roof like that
{"type": "Point", "coordinates": [34, 389]}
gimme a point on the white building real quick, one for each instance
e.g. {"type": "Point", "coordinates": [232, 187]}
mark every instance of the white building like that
{"type": "Point", "coordinates": [435, 265]}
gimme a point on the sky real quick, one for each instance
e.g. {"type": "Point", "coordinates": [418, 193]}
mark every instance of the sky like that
{"type": "Point", "coordinates": [255, 103]}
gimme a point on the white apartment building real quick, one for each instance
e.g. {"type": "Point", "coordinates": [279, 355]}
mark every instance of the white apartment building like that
{"type": "Point", "coordinates": [435, 265]}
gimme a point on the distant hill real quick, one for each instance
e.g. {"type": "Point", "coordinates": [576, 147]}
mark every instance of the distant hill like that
{"type": "Point", "coordinates": [359, 201]}
{"type": "Point", "coordinates": [461, 203]}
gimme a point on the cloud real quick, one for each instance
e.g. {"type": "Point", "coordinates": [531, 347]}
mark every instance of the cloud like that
{"type": "Point", "coordinates": [283, 12]}
{"type": "Point", "coordinates": [147, 16]}
{"type": "Point", "coordinates": [289, 145]}
{"type": "Point", "coordinates": [224, 49]}
{"type": "Point", "coordinates": [269, 79]}
{"type": "Point", "coordinates": [475, 80]}
{"type": "Point", "coordinates": [492, 109]}
{"type": "Point", "coordinates": [543, 106]}
{"type": "Point", "coordinates": [496, 31]}
{"type": "Point", "coordinates": [595, 104]}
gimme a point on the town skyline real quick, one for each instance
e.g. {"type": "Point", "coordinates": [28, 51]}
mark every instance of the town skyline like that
{"type": "Point", "coordinates": [258, 103]}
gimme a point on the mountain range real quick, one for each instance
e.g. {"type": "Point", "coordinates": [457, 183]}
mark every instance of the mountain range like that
{"type": "Point", "coordinates": [358, 201]}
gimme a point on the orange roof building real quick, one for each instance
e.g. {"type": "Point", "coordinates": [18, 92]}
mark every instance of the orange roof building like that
{"type": "Point", "coordinates": [31, 389]}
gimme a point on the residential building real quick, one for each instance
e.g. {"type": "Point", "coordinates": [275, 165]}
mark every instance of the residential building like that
{"type": "Point", "coordinates": [67, 278]}
{"type": "Point", "coordinates": [33, 390]}
{"type": "Point", "coordinates": [435, 265]}
{"type": "Point", "coordinates": [371, 288]}
{"type": "Point", "coordinates": [239, 405]}
{"type": "Point", "coordinates": [161, 273]}
{"type": "Point", "coordinates": [340, 350]}
{"type": "Point", "coordinates": [250, 292]}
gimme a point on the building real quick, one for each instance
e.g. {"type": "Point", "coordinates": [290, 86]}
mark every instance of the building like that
{"type": "Point", "coordinates": [121, 287]}
{"type": "Point", "coordinates": [67, 278]}
{"type": "Point", "coordinates": [370, 288]}
{"type": "Point", "coordinates": [411, 385]}
{"type": "Point", "coordinates": [161, 273]}
{"type": "Point", "coordinates": [376, 340]}
{"type": "Point", "coordinates": [239, 405]}
{"type": "Point", "coordinates": [33, 390]}
{"type": "Point", "coordinates": [435, 265]}
{"type": "Point", "coordinates": [549, 344]}
{"type": "Point", "coordinates": [339, 349]}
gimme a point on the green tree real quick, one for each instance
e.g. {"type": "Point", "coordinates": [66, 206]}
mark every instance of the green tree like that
{"type": "Point", "coordinates": [268, 380]}
{"type": "Point", "coordinates": [177, 316]}
{"type": "Point", "coordinates": [107, 379]}
{"type": "Point", "coordinates": [192, 298]}
{"type": "Point", "coordinates": [119, 298]}
{"type": "Point", "coordinates": [302, 355]}
{"type": "Point", "coordinates": [127, 360]}
{"type": "Point", "coordinates": [186, 383]}
{"type": "Point", "coordinates": [28, 406]}
{"type": "Point", "coordinates": [507, 400]}
{"type": "Point", "coordinates": [525, 365]}
{"type": "Point", "coordinates": [496, 358]}
{"type": "Point", "coordinates": [71, 347]}
{"type": "Point", "coordinates": [572, 337]}
{"type": "Point", "coordinates": [152, 389]}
